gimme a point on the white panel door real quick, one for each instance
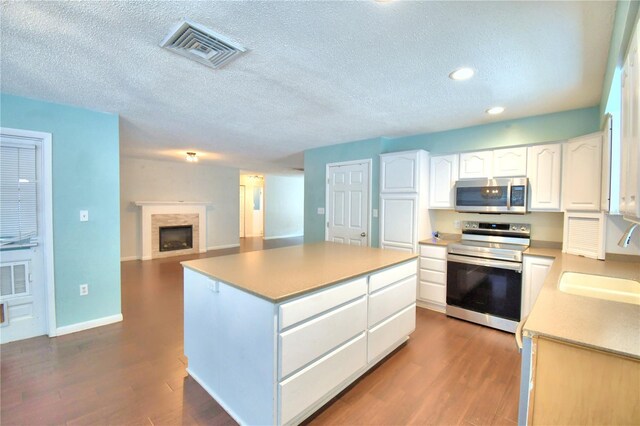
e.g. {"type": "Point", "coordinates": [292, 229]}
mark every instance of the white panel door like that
{"type": "Point", "coordinates": [582, 173]}
{"type": "Point", "coordinates": [443, 176]}
{"type": "Point", "coordinates": [348, 204]}
{"type": "Point", "coordinates": [509, 162]}
{"type": "Point", "coordinates": [474, 165]}
{"type": "Point", "coordinates": [544, 169]}
{"type": "Point", "coordinates": [399, 172]}
{"type": "Point", "coordinates": [398, 222]}
{"type": "Point", "coordinates": [22, 278]}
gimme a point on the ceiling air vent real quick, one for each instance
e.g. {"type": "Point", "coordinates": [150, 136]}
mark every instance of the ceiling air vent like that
{"type": "Point", "coordinates": [199, 43]}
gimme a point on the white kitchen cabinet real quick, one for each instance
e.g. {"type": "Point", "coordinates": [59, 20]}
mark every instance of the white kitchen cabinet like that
{"type": "Point", "coordinates": [475, 165]}
{"type": "Point", "coordinates": [534, 272]}
{"type": "Point", "coordinates": [432, 291]}
{"type": "Point", "coordinates": [443, 176]}
{"type": "Point", "coordinates": [404, 218]}
{"type": "Point", "coordinates": [276, 363]}
{"type": "Point", "coordinates": [544, 166]}
{"type": "Point", "coordinates": [630, 142]}
{"type": "Point", "coordinates": [582, 173]}
{"type": "Point", "coordinates": [510, 162]}
{"type": "Point", "coordinates": [403, 171]}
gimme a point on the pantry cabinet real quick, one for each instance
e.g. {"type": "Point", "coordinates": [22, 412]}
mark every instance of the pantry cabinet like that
{"type": "Point", "coordinates": [510, 162]}
{"type": "Point", "coordinates": [544, 166]}
{"type": "Point", "coordinates": [582, 173]}
{"type": "Point", "coordinates": [443, 176]}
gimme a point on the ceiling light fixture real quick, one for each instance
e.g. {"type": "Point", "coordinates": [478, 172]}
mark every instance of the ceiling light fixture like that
{"type": "Point", "coordinates": [495, 110]}
{"type": "Point", "coordinates": [462, 74]}
{"type": "Point", "coordinates": [192, 157]}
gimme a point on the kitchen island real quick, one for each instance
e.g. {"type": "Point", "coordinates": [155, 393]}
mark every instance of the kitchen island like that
{"type": "Point", "coordinates": [273, 335]}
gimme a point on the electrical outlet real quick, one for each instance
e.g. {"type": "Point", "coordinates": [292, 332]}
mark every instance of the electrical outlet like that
{"type": "Point", "coordinates": [84, 289]}
{"type": "Point", "coordinates": [84, 215]}
{"type": "Point", "coordinates": [320, 210]}
{"type": "Point", "coordinates": [456, 224]}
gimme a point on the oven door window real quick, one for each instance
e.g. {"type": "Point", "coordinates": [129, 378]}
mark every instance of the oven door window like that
{"type": "Point", "coordinates": [483, 289]}
{"type": "Point", "coordinates": [485, 196]}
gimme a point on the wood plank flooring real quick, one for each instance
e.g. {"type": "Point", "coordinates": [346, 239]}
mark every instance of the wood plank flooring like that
{"type": "Point", "coordinates": [450, 372]}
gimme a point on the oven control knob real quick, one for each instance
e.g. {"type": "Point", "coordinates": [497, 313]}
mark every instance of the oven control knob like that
{"type": "Point", "coordinates": [466, 225]}
{"type": "Point", "coordinates": [475, 225]}
{"type": "Point", "coordinates": [524, 228]}
{"type": "Point", "coordinates": [514, 228]}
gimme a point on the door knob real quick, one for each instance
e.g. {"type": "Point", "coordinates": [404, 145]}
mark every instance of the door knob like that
{"type": "Point", "coordinates": [363, 235]}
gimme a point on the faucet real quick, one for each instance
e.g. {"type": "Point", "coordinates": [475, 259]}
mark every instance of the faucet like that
{"type": "Point", "coordinates": [626, 237]}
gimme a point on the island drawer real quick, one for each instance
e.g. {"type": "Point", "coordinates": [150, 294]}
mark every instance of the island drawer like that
{"type": "Point", "coordinates": [391, 299]}
{"type": "Point", "coordinates": [383, 336]}
{"type": "Point", "coordinates": [298, 310]}
{"type": "Point", "coordinates": [314, 338]}
{"type": "Point", "coordinates": [392, 275]}
{"type": "Point", "coordinates": [309, 386]}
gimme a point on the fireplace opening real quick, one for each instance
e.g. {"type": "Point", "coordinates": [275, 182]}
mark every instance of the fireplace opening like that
{"type": "Point", "coordinates": [176, 237]}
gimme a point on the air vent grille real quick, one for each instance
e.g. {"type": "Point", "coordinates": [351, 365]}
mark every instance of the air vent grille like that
{"type": "Point", "coordinates": [201, 44]}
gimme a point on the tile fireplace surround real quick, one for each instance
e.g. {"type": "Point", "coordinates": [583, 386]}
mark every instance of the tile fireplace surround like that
{"type": "Point", "coordinates": [172, 213]}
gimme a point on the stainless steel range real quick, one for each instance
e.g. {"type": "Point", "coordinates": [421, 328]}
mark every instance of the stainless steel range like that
{"type": "Point", "coordinates": [484, 274]}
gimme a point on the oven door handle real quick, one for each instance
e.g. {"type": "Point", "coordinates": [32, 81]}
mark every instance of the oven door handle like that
{"type": "Point", "coordinates": [513, 266]}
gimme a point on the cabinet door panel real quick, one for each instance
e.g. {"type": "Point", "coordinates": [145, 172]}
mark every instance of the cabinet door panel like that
{"type": "Point", "coordinates": [544, 169]}
{"type": "Point", "coordinates": [305, 388]}
{"type": "Point", "coordinates": [398, 221]}
{"type": "Point", "coordinates": [391, 299]}
{"type": "Point", "coordinates": [582, 173]}
{"type": "Point", "coordinates": [398, 173]}
{"type": "Point", "coordinates": [510, 162]}
{"type": "Point", "coordinates": [443, 176]}
{"type": "Point", "coordinates": [390, 331]}
{"type": "Point", "coordinates": [476, 164]}
{"type": "Point", "coordinates": [535, 270]}
{"type": "Point", "coordinates": [313, 338]}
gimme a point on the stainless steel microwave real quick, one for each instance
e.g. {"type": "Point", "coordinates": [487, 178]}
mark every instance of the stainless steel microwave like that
{"type": "Point", "coordinates": [504, 195]}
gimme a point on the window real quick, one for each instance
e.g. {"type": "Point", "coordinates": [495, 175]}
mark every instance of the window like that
{"type": "Point", "coordinates": [18, 196]}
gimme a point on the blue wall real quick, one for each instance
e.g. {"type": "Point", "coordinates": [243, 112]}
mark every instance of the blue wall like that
{"type": "Point", "coordinates": [529, 130]}
{"type": "Point", "coordinates": [85, 177]}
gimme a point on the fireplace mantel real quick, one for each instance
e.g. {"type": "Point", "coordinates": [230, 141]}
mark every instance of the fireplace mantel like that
{"type": "Point", "coordinates": [150, 208]}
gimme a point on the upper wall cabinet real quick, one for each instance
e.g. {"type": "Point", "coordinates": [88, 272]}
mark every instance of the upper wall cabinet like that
{"type": "Point", "coordinates": [474, 165]}
{"type": "Point", "coordinates": [582, 173]}
{"type": "Point", "coordinates": [510, 162]}
{"type": "Point", "coordinates": [630, 121]}
{"type": "Point", "coordinates": [400, 171]}
{"type": "Point", "coordinates": [443, 176]}
{"type": "Point", "coordinates": [544, 168]}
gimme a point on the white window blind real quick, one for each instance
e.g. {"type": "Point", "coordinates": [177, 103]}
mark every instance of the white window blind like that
{"type": "Point", "coordinates": [18, 196]}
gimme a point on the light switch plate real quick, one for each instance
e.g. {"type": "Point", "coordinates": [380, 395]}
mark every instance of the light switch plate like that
{"type": "Point", "coordinates": [84, 215]}
{"type": "Point", "coordinates": [375, 212]}
{"type": "Point", "coordinates": [320, 210]}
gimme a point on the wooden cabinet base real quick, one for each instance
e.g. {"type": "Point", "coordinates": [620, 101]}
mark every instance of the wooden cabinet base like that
{"type": "Point", "coordinates": [581, 386]}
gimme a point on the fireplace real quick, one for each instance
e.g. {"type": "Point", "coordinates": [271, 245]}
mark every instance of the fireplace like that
{"type": "Point", "coordinates": [176, 238]}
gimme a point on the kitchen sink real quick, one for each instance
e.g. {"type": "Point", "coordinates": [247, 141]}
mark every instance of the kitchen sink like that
{"type": "Point", "coordinates": [601, 287]}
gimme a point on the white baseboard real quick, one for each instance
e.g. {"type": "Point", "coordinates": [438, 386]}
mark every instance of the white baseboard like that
{"type": "Point", "coordinates": [283, 236]}
{"type": "Point", "coordinates": [128, 258]}
{"type": "Point", "coordinates": [224, 246]}
{"type": "Point", "coordinates": [73, 328]}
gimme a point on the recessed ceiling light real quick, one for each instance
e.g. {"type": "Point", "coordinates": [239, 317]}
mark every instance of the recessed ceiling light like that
{"type": "Point", "coordinates": [462, 74]}
{"type": "Point", "coordinates": [495, 110]}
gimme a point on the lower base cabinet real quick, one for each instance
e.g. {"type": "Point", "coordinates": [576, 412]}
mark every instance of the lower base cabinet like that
{"type": "Point", "coordinates": [534, 272]}
{"type": "Point", "coordinates": [269, 363]}
{"type": "Point", "coordinates": [432, 291]}
{"type": "Point", "coordinates": [567, 384]}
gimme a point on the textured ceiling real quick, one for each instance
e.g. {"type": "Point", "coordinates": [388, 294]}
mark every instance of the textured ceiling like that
{"type": "Point", "coordinates": [317, 73]}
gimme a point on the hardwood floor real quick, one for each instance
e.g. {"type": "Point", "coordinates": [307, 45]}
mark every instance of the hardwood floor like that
{"type": "Point", "coordinates": [450, 371]}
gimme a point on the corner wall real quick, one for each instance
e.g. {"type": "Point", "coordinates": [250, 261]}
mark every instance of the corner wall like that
{"type": "Point", "coordinates": [156, 180]}
{"type": "Point", "coordinates": [85, 146]}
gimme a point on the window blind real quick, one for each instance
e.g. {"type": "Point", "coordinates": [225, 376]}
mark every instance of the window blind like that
{"type": "Point", "coordinates": [18, 196]}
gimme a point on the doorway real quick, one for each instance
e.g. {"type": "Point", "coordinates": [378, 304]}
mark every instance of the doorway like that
{"type": "Point", "coordinates": [27, 296]}
{"type": "Point", "coordinates": [251, 205]}
{"type": "Point", "coordinates": [348, 201]}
